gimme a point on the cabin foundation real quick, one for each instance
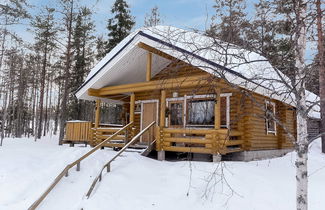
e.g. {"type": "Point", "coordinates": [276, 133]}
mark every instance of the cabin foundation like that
{"type": "Point", "coordinates": [216, 158]}
{"type": "Point", "coordinates": [161, 155]}
{"type": "Point", "coordinates": [256, 155]}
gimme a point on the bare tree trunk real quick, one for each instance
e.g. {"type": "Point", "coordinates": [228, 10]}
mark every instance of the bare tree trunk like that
{"type": "Point", "coordinates": [4, 117]}
{"type": "Point", "coordinates": [64, 107]}
{"type": "Point", "coordinates": [302, 135]}
{"type": "Point", "coordinates": [40, 121]}
{"type": "Point", "coordinates": [46, 107]}
{"type": "Point", "coordinates": [320, 45]}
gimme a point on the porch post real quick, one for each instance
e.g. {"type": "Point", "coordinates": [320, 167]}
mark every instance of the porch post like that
{"type": "Point", "coordinates": [162, 108]}
{"type": "Point", "coordinates": [149, 62]}
{"type": "Point", "coordinates": [132, 106]}
{"type": "Point", "coordinates": [160, 138]}
{"type": "Point", "coordinates": [97, 113]}
{"type": "Point", "coordinates": [217, 110]}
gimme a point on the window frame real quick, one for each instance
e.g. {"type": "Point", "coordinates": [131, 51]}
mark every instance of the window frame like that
{"type": "Point", "coordinates": [206, 96]}
{"type": "Point", "coordinates": [268, 131]}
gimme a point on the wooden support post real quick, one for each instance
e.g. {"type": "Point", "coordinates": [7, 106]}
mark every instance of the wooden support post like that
{"type": "Point", "coordinates": [217, 110]}
{"type": "Point", "coordinates": [78, 166]}
{"type": "Point", "coordinates": [97, 113]}
{"type": "Point", "coordinates": [108, 167]}
{"type": "Point", "coordinates": [162, 108]}
{"type": "Point", "coordinates": [149, 65]}
{"type": "Point", "coordinates": [132, 106]}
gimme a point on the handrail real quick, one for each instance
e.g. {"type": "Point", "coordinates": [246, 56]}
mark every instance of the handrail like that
{"type": "Point", "coordinates": [108, 164]}
{"type": "Point", "coordinates": [65, 171]}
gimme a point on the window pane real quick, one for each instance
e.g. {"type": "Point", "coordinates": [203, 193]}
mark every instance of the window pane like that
{"type": "Point", "coordinates": [270, 123]}
{"type": "Point", "coordinates": [200, 112]}
{"type": "Point", "coordinates": [176, 114]}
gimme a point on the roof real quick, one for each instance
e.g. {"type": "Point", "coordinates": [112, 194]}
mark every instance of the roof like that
{"type": "Point", "coordinates": [126, 63]}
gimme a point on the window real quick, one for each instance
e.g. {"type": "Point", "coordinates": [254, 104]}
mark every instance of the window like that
{"type": "Point", "coordinates": [200, 112]}
{"type": "Point", "coordinates": [269, 116]}
{"type": "Point", "coordinates": [176, 114]}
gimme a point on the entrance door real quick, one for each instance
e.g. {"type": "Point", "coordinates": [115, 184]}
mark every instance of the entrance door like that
{"type": "Point", "coordinates": [149, 114]}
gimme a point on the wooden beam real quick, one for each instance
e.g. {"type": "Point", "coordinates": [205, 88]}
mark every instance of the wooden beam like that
{"type": "Point", "coordinates": [162, 108]}
{"type": "Point", "coordinates": [149, 65]}
{"type": "Point", "coordinates": [97, 113]}
{"type": "Point", "coordinates": [181, 82]}
{"type": "Point", "coordinates": [132, 106]}
{"type": "Point", "coordinates": [156, 51]}
{"type": "Point", "coordinates": [217, 120]}
{"type": "Point", "coordinates": [93, 92]}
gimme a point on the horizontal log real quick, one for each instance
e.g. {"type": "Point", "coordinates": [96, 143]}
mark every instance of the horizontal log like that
{"type": "Point", "coordinates": [119, 137]}
{"type": "Point", "coordinates": [234, 142]}
{"type": "Point", "coordinates": [188, 140]}
{"type": "Point", "coordinates": [189, 149]}
{"type": "Point", "coordinates": [189, 81]}
{"type": "Point", "coordinates": [188, 131]}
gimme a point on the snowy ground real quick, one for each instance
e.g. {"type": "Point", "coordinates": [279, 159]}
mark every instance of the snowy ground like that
{"type": "Point", "coordinates": [27, 168]}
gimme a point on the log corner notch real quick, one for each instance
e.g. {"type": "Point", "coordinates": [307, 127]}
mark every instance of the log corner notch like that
{"type": "Point", "coordinates": [93, 92]}
{"type": "Point", "coordinates": [217, 109]}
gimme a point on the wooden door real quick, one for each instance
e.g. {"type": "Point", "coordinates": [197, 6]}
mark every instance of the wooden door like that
{"type": "Point", "coordinates": [149, 114]}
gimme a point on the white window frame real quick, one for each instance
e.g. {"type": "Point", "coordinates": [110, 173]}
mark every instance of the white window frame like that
{"type": "Point", "coordinates": [266, 120]}
{"type": "Point", "coordinates": [186, 97]}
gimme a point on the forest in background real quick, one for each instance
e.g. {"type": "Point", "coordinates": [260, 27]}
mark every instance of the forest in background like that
{"type": "Point", "coordinates": [38, 79]}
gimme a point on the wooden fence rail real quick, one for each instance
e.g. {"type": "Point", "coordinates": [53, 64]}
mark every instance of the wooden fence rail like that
{"type": "Point", "coordinates": [65, 171]}
{"type": "Point", "coordinates": [108, 164]}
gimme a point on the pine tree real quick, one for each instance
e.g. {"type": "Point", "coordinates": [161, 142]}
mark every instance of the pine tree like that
{"type": "Point", "coordinates": [68, 11]}
{"type": "Point", "coordinates": [83, 39]}
{"type": "Point", "coordinates": [119, 26]}
{"type": "Point", "coordinates": [229, 23]}
{"type": "Point", "coordinates": [153, 19]}
{"type": "Point", "coordinates": [45, 36]}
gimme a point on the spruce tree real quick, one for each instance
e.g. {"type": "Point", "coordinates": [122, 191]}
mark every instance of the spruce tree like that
{"type": "Point", "coordinates": [119, 26]}
{"type": "Point", "coordinates": [83, 40]}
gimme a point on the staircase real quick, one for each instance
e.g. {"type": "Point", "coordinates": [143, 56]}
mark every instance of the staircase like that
{"type": "Point", "coordinates": [111, 140]}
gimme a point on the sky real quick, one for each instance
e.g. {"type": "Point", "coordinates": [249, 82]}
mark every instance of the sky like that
{"type": "Point", "coordinates": [186, 14]}
{"type": "Point", "coordinates": [179, 13]}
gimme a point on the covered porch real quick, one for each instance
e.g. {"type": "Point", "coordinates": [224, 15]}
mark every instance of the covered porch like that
{"type": "Point", "coordinates": [189, 116]}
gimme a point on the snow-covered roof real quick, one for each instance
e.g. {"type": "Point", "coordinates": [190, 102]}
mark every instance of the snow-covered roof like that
{"type": "Point", "coordinates": [126, 63]}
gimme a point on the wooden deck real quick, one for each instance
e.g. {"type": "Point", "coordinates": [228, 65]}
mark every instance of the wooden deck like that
{"type": "Point", "coordinates": [206, 141]}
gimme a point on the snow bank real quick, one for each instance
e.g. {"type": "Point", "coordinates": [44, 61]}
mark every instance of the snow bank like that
{"type": "Point", "coordinates": [27, 168]}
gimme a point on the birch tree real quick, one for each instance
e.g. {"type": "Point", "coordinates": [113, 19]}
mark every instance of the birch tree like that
{"type": "Point", "coordinates": [300, 95]}
{"type": "Point", "coordinates": [321, 68]}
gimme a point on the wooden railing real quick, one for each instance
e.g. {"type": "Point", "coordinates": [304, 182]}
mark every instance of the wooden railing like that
{"type": "Point", "coordinates": [108, 164]}
{"type": "Point", "coordinates": [230, 141]}
{"type": "Point", "coordinates": [208, 141]}
{"type": "Point", "coordinates": [65, 171]}
{"type": "Point", "coordinates": [78, 131]}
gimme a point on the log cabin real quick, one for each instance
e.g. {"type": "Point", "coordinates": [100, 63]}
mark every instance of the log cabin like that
{"type": "Point", "coordinates": [202, 96]}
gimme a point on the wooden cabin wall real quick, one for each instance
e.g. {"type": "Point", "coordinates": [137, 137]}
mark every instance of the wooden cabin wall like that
{"type": "Point", "coordinates": [246, 113]}
{"type": "Point", "coordinates": [255, 133]}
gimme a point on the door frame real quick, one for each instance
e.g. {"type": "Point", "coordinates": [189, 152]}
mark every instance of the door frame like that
{"type": "Point", "coordinates": [141, 102]}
